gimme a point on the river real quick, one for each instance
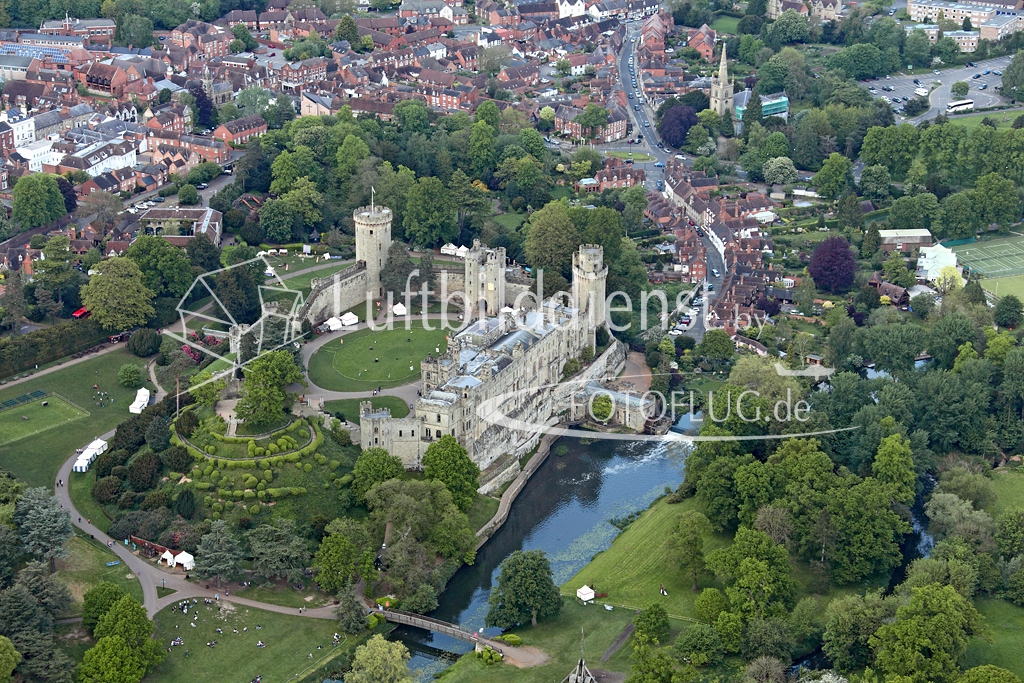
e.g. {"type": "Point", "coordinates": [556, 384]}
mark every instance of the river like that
{"type": "Point", "coordinates": [565, 511]}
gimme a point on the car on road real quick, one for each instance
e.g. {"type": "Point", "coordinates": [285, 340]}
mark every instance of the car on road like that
{"type": "Point", "coordinates": [660, 165]}
{"type": "Point", "coordinates": [970, 65]}
{"type": "Point", "coordinates": [905, 98]}
{"type": "Point", "coordinates": [630, 95]}
{"type": "Point", "coordinates": [636, 107]}
{"type": "Point", "coordinates": [158, 200]}
{"type": "Point", "coordinates": [710, 287]}
{"type": "Point", "coordinates": [661, 184]}
{"type": "Point", "coordinates": [936, 72]}
{"type": "Point", "coordinates": [202, 186]}
{"type": "Point", "coordinates": [983, 86]}
{"type": "Point", "coordinates": [895, 100]}
{"type": "Point", "coordinates": [888, 88]}
{"type": "Point", "coordinates": [647, 124]}
{"type": "Point", "coordinates": [976, 76]}
{"type": "Point", "coordinates": [873, 91]}
{"type": "Point", "coordinates": [714, 271]}
{"type": "Point", "coordinates": [917, 81]}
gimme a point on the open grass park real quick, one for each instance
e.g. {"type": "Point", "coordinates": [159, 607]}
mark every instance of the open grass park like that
{"type": "Point", "coordinates": [994, 258]}
{"type": "Point", "coordinates": [37, 459]}
{"type": "Point", "coordinates": [349, 407]}
{"type": "Point", "coordinates": [86, 566]}
{"type": "Point", "coordinates": [43, 412]}
{"type": "Point", "coordinates": [288, 641]}
{"type": "Point", "coordinates": [365, 359]}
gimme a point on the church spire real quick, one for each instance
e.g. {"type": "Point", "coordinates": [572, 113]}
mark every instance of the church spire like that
{"type": "Point", "coordinates": [723, 69]}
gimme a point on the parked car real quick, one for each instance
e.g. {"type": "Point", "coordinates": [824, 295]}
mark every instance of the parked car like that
{"type": "Point", "coordinates": [983, 86]}
{"type": "Point", "coordinates": [202, 186]}
{"type": "Point", "coordinates": [976, 76]}
{"type": "Point", "coordinates": [158, 200]}
{"type": "Point", "coordinates": [660, 165]}
{"type": "Point", "coordinates": [630, 95]}
{"type": "Point", "coordinates": [986, 72]}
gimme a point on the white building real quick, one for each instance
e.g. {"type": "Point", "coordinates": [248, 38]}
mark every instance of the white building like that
{"type": "Point", "coordinates": [39, 153]}
{"type": "Point", "coordinates": [931, 261]}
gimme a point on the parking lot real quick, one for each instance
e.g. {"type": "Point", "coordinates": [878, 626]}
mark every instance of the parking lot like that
{"type": "Point", "coordinates": [903, 86]}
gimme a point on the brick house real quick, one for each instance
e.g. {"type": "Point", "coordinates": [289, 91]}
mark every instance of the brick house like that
{"type": "Point", "coordinates": [241, 130]}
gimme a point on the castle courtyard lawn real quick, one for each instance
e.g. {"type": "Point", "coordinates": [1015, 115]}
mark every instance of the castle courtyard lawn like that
{"type": "Point", "coordinates": [37, 459]}
{"type": "Point", "coordinates": [349, 407]}
{"type": "Point", "coordinates": [481, 511]}
{"type": "Point", "coordinates": [34, 418]}
{"type": "Point", "coordinates": [365, 359]}
{"type": "Point", "coordinates": [87, 566]}
{"type": "Point", "coordinates": [726, 25]}
{"type": "Point", "coordinates": [288, 639]}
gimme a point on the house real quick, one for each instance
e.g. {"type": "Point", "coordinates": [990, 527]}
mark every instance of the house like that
{"type": "Point", "coordinates": [932, 260]}
{"type": "Point", "coordinates": [703, 41]}
{"type": "Point", "coordinates": [241, 130]}
{"type": "Point", "coordinates": [777, 7]}
{"type": "Point", "coordinates": [94, 31]}
{"type": "Point", "coordinates": [178, 225]}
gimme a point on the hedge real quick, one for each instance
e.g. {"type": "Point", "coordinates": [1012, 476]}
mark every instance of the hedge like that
{"type": "Point", "coordinates": [25, 351]}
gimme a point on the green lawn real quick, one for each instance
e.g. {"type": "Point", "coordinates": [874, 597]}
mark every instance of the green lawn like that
{"type": "Point", "coordinates": [284, 595]}
{"type": "Point", "coordinates": [635, 156]}
{"type": "Point", "coordinates": [37, 460]}
{"type": "Point", "coordinates": [349, 407]}
{"type": "Point", "coordinates": [1002, 119]}
{"type": "Point", "coordinates": [236, 657]}
{"type": "Point", "coordinates": [1002, 286]}
{"type": "Point", "coordinates": [640, 561]}
{"type": "Point", "coordinates": [726, 24]}
{"type": "Point", "coordinates": [481, 511]}
{"type": "Point", "coordinates": [80, 488]}
{"type": "Point", "coordinates": [366, 359]}
{"type": "Point", "coordinates": [304, 282]}
{"type": "Point", "coordinates": [560, 639]}
{"type": "Point", "coordinates": [1009, 486]}
{"type": "Point", "coordinates": [510, 221]}
{"type": "Point", "coordinates": [87, 566]}
{"type": "Point", "coordinates": [1006, 621]}
{"type": "Point", "coordinates": [34, 418]}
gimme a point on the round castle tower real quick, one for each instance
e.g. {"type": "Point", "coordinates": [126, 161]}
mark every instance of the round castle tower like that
{"type": "Point", "coordinates": [373, 239]}
{"type": "Point", "coordinates": [589, 276]}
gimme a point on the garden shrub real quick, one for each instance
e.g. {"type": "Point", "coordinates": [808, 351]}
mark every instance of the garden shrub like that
{"type": "Point", "coordinates": [223, 493]}
{"type": "Point", "coordinates": [211, 449]}
{"type": "Point", "coordinates": [261, 486]}
{"type": "Point", "coordinates": [260, 450]}
{"type": "Point", "coordinates": [268, 475]}
{"type": "Point", "coordinates": [347, 479]}
{"type": "Point", "coordinates": [237, 494]}
{"type": "Point", "coordinates": [261, 494]}
{"type": "Point", "coordinates": [273, 449]}
{"type": "Point", "coordinates": [254, 510]}
{"type": "Point", "coordinates": [249, 495]}
{"type": "Point", "coordinates": [174, 476]}
{"type": "Point", "coordinates": [208, 470]}
{"type": "Point", "coordinates": [216, 515]}
{"type": "Point", "coordinates": [203, 485]}
{"type": "Point", "coordinates": [334, 464]}
{"type": "Point", "coordinates": [338, 484]}
{"type": "Point", "coordinates": [208, 501]}
{"type": "Point", "coordinates": [263, 464]}
{"type": "Point", "coordinates": [298, 490]}
{"type": "Point", "coordinates": [307, 468]}
{"type": "Point", "coordinates": [302, 435]}
{"type": "Point", "coordinates": [293, 457]}
{"type": "Point", "coordinates": [217, 507]}
{"type": "Point", "coordinates": [298, 465]}
{"type": "Point", "coordinates": [223, 464]}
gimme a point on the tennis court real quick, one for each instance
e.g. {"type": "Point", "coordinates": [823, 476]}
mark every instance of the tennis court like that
{"type": "Point", "coordinates": [993, 258]}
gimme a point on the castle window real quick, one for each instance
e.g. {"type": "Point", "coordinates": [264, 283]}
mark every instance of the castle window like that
{"type": "Point", "coordinates": [439, 419]}
{"type": "Point", "coordinates": [412, 432]}
{"type": "Point", "coordinates": [399, 432]}
{"type": "Point", "coordinates": [439, 433]}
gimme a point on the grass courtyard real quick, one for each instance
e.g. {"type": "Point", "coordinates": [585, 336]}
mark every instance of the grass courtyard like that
{"type": "Point", "coordinates": [34, 418]}
{"type": "Point", "coordinates": [726, 25]}
{"type": "Point", "coordinates": [1005, 285]}
{"type": "Point", "coordinates": [365, 359]}
{"type": "Point", "coordinates": [36, 460]}
{"type": "Point", "coordinates": [236, 657]}
{"type": "Point", "coordinates": [349, 407]}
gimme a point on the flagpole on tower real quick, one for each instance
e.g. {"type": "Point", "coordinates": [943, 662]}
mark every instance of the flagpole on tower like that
{"type": "Point", "coordinates": [371, 199]}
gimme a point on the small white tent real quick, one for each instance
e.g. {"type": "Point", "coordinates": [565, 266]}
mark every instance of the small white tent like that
{"type": "Point", "coordinates": [462, 251]}
{"type": "Point", "coordinates": [585, 594]}
{"type": "Point", "coordinates": [141, 401]}
{"type": "Point", "coordinates": [167, 557]}
{"type": "Point", "coordinates": [399, 309]}
{"type": "Point", "coordinates": [449, 250]}
{"type": "Point", "coordinates": [349, 319]}
{"type": "Point", "coordinates": [333, 324]}
{"type": "Point", "coordinates": [88, 454]}
{"type": "Point", "coordinates": [185, 561]}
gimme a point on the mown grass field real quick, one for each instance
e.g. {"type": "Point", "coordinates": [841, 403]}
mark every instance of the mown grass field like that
{"type": "Point", "coordinates": [481, 511]}
{"type": "Point", "coordinates": [510, 221]}
{"type": "Point", "coordinates": [1002, 119]}
{"type": "Point", "coordinates": [288, 639]}
{"type": "Point", "coordinates": [1009, 486]}
{"type": "Point", "coordinates": [34, 418]}
{"type": "Point", "coordinates": [1002, 286]}
{"type": "Point", "coordinates": [726, 24]}
{"type": "Point", "coordinates": [80, 487]}
{"type": "Point", "coordinates": [304, 282]}
{"type": "Point", "coordinates": [349, 407]}
{"type": "Point", "coordinates": [366, 359]}
{"type": "Point", "coordinates": [1006, 622]}
{"type": "Point", "coordinates": [86, 566]}
{"type": "Point", "coordinates": [560, 640]}
{"type": "Point", "coordinates": [37, 459]}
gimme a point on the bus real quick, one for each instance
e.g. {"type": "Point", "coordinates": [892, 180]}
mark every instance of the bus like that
{"type": "Point", "coordinates": [82, 312]}
{"type": "Point", "coordinates": [960, 105]}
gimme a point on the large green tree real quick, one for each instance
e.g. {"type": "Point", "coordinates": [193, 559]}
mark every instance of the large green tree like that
{"type": "Point", "coordinates": [525, 590]}
{"type": "Point", "coordinates": [98, 600]}
{"type": "Point", "coordinates": [446, 460]}
{"type": "Point", "coordinates": [117, 295]}
{"type": "Point", "coordinates": [834, 177]}
{"type": "Point", "coordinates": [551, 239]}
{"type": "Point", "coordinates": [374, 466]}
{"type": "Point", "coordinates": [278, 551]}
{"type": "Point", "coordinates": [219, 555]}
{"type": "Point", "coordinates": [430, 217]}
{"type": "Point", "coordinates": [111, 661]}
{"type": "Point", "coordinates": [688, 537]}
{"type": "Point", "coordinates": [165, 268]}
{"type": "Point", "coordinates": [9, 658]}
{"type": "Point", "coordinates": [127, 619]}
{"type": "Point", "coordinates": [264, 387]}
{"type": "Point", "coordinates": [380, 661]}
{"type": "Point", "coordinates": [37, 200]}
{"type": "Point", "coordinates": [44, 526]}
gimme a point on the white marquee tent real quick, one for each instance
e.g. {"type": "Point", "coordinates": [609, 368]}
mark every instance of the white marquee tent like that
{"type": "Point", "coordinates": [349, 319]}
{"type": "Point", "coordinates": [585, 594]}
{"type": "Point", "coordinates": [141, 401]}
{"type": "Point", "coordinates": [88, 454]}
{"type": "Point", "coordinates": [399, 309]}
{"type": "Point", "coordinates": [333, 324]}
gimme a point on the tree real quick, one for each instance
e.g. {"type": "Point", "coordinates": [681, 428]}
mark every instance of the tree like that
{"type": "Point", "coordinates": [202, 252]}
{"type": "Point", "coordinates": [44, 527]}
{"type": "Point", "coordinates": [242, 33]}
{"type": "Point", "coordinates": [987, 673]}
{"type": "Point", "coordinates": [219, 555]}
{"type": "Point", "coordinates": [593, 117]}
{"type": "Point", "coordinates": [482, 141]}
{"type": "Point", "coordinates": [350, 612]}
{"type": "Point", "coordinates": [380, 661]}
{"type": "Point", "coordinates": [9, 658]}
{"type": "Point", "coordinates": [277, 219]}
{"type": "Point", "coordinates": [691, 530]}
{"type": "Point", "coordinates": [832, 265]}
{"type": "Point", "coordinates": [752, 114]}
{"type": "Point", "coordinates": [948, 335]}
{"type": "Point", "coordinates": [525, 588]}
{"type": "Point", "coordinates": [1010, 533]}
{"type": "Point", "coordinates": [110, 661]}
{"type": "Point", "coordinates": [709, 604]}
{"type": "Point", "coordinates": [203, 107]}
{"type": "Point", "coordinates": [699, 645]}
{"type": "Point", "coordinates": [430, 217]}
{"type": "Point", "coordinates": [67, 190]}
{"type": "Point", "coordinates": [130, 376]}
{"type": "Point", "coordinates": [12, 304]}
{"type": "Point", "coordinates": [757, 572]}
{"type": "Point", "coordinates": [551, 239]}
{"type": "Point", "coordinates": [716, 346]}
{"type": "Point", "coordinates": [165, 269]}
{"type": "Point", "coordinates": [1013, 77]}
{"type": "Point", "coordinates": [188, 195]}
{"type": "Point", "coordinates": [1008, 311]}
{"type": "Point", "coordinates": [960, 89]}
{"type": "Point", "coordinates": [929, 637]}
{"type": "Point", "coordinates": [374, 466]}
{"type": "Point", "coordinates": [779, 171]}
{"type": "Point", "coordinates": [134, 30]}
{"type": "Point", "coordinates": [278, 551]}
{"type": "Point", "coordinates": [253, 100]}
{"type": "Point", "coordinates": [894, 468]}
{"type": "Point", "coordinates": [446, 461]}
{"type": "Point", "coordinates": [850, 621]}
{"type": "Point", "coordinates": [876, 184]}
{"type": "Point", "coordinates": [117, 296]}
{"type": "Point", "coordinates": [37, 200]}
{"type": "Point", "coordinates": [127, 619]}
{"type": "Point", "coordinates": [790, 27]}
{"type": "Point", "coordinates": [602, 408]}
{"type": "Point", "coordinates": [335, 562]}
{"type": "Point", "coordinates": [834, 177]}
{"type": "Point", "coordinates": [675, 125]}
{"type": "Point", "coordinates": [652, 623]}
{"type": "Point", "coordinates": [264, 383]}
{"type": "Point", "coordinates": [347, 30]}
{"type": "Point", "coordinates": [106, 207]}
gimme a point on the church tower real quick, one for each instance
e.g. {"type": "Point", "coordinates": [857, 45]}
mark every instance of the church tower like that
{"type": "Point", "coordinates": [721, 90]}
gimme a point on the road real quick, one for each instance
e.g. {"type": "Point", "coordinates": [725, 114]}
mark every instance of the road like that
{"type": "Point", "coordinates": [903, 86]}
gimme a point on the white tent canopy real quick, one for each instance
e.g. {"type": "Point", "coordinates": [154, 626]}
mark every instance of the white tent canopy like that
{"type": "Point", "coordinates": [333, 324]}
{"type": "Point", "coordinates": [141, 401]}
{"type": "Point", "coordinates": [88, 454]}
{"type": "Point", "coordinates": [449, 249]}
{"type": "Point", "coordinates": [349, 318]}
{"type": "Point", "coordinates": [185, 560]}
{"type": "Point", "coordinates": [585, 594]}
{"type": "Point", "coordinates": [399, 309]}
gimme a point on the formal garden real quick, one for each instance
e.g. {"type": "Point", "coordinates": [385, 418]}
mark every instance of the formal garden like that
{"type": "Point", "coordinates": [366, 359]}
